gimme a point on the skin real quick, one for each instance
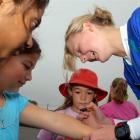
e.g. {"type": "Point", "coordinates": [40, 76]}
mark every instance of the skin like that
{"type": "Point", "coordinates": [16, 72]}
{"type": "Point", "coordinates": [104, 133]}
{"type": "Point", "coordinates": [22, 67]}
{"type": "Point", "coordinates": [81, 96]}
{"type": "Point", "coordinates": [42, 118]}
{"type": "Point", "coordinates": [96, 43]}
{"type": "Point", "coordinates": [14, 29]}
{"type": "Point", "coordinates": [95, 118]}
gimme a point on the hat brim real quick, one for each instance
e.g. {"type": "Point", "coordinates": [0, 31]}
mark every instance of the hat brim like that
{"type": "Point", "coordinates": [101, 94]}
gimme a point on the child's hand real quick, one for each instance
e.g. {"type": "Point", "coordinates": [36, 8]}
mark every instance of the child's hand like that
{"type": "Point", "coordinates": [94, 118]}
{"type": "Point", "coordinates": [85, 116]}
{"type": "Point", "coordinates": [89, 119]}
{"type": "Point", "coordinates": [82, 115]}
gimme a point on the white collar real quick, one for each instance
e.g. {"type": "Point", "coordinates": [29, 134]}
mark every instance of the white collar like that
{"type": "Point", "coordinates": [124, 37]}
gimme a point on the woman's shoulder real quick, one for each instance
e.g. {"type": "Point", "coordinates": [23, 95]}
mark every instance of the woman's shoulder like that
{"type": "Point", "coordinates": [136, 11]}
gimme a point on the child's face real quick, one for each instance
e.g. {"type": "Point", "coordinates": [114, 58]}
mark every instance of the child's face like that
{"type": "Point", "coordinates": [16, 28]}
{"type": "Point", "coordinates": [82, 96]}
{"type": "Point", "coordinates": [17, 71]}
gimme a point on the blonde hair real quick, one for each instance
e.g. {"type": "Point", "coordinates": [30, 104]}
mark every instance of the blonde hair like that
{"type": "Point", "coordinates": [119, 92]}
{"type": "Point", "coordinates": [100, 17]}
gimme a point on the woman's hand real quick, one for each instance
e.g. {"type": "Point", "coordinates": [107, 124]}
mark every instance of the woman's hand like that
{"type": "Point", "coordinates": [104, 133]}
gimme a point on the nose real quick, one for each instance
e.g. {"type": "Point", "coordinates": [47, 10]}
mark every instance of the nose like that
{"type": "Point", "coordinates": [29, 76]}
{"type": "Point", "coordinates": [83, 97]}
{"type": "Point", "coordinates": [83, 58]}
{"type": "Point", "coordinates": [29, 42]}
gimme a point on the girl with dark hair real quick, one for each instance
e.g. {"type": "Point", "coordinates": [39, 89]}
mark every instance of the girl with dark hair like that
{"type": "Point", "coordinates": [18, 18]}
{"type": "Point", "coordinates": [14, 108]}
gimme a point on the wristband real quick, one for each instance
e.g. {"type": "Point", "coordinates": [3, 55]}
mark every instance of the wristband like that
{"type": "Point", "coordinates": [122, 131]}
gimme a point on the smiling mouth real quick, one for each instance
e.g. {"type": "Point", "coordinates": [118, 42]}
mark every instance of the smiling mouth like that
{"type": "Point", "coordinates": [93, 54]}
{"type": "Point", "coordinates": [92, 60]}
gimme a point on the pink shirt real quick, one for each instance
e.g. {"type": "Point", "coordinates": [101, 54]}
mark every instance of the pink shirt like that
{"type": "Point", "coordinates": [124, 111]}
{"type": "Point", "coordinates": [46, 135]}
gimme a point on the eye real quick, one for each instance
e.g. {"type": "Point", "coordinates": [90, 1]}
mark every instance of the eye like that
{"type": "Point", "coordinates": [27, 66]}
{"type": "Point", "coordinates": [76, 91]}
{"type": "Point", "coordinates": [92, 53]}
{"type": "Point", "coordinates": [34, 24]}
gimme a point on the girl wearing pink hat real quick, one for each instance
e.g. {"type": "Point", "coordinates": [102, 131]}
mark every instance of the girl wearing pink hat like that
{"type": "Point", "coordinates": [81, 90]}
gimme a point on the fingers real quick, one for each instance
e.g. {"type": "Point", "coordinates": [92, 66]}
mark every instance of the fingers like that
{"type": "Point", "coordinates": [82, 115]}
{"type": "Point", "coordinates": [93, 106]}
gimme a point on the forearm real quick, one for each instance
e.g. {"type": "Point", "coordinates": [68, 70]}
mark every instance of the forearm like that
{"type": "Point", "coordinates": [68, 126]}
{"type": "Point", "coordinates": [55, 122]}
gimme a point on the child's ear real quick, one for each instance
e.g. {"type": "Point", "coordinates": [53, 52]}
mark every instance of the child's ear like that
{"type": "Point", "coordinates": [88, 26]}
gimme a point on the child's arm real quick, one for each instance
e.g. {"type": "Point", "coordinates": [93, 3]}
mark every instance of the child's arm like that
{"type": "Point", "coordinates": [55, 122]}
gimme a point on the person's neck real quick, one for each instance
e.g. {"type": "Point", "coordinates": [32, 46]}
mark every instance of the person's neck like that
{"type": "Point", "coordinates": [116, 42]}
{"type": "Point", "coordinates": [74, 109]}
